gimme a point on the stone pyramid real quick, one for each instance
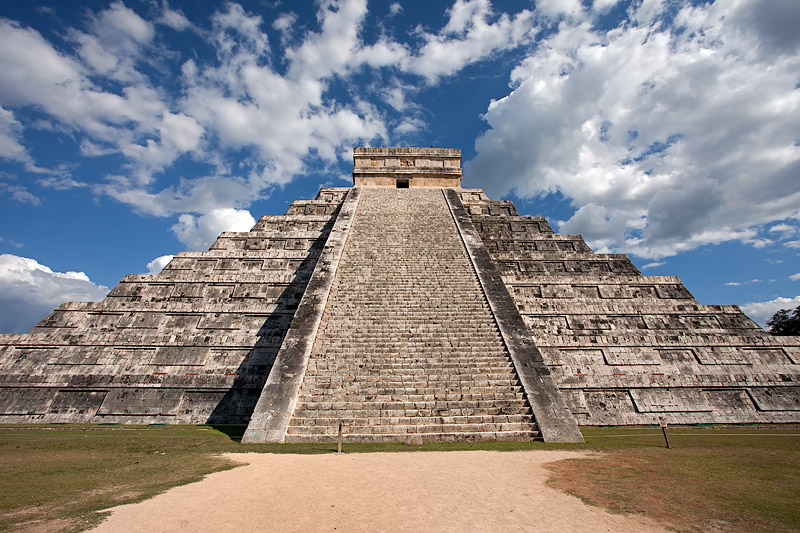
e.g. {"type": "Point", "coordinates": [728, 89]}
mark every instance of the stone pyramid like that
{"type": "Point", "coordinates": [403, 307]}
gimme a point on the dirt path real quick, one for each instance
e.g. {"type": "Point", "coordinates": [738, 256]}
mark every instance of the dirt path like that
{"type": "Point", "coordinates": [413, 491]}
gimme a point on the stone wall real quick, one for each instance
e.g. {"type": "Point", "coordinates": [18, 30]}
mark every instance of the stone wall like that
{"type": "Point", "coordinates": [414, 181]}
{"type": "Point", "coordinates": [627, 348]}
{"type": "Point", "coordinates": [421, 167]}
{"type": "Point", "coordinates": [193, 344]}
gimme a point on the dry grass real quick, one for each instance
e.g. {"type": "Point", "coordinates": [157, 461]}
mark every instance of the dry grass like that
{"type": "Point", "coordinates": [724, 479]}
{"type": "Point", "coordinates": [58, 475]}
{"type": "Point", "coordinates": [734, 479]}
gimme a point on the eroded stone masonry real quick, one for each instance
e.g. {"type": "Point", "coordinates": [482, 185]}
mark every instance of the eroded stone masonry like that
{"type": "Point", "coordinates": [404, 307]}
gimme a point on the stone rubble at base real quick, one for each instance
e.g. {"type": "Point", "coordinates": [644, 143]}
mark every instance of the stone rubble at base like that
{"type": "Point", "coordinates": [409, 342]}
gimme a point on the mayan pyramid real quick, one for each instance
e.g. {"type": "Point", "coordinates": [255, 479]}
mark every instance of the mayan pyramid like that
{"type": "Point", "coordinates": [403, 307]}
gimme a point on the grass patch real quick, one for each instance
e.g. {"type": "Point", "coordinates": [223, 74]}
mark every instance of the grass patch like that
{"type": "Point", "coordinates": [728, 479]}
{"type": "Point", "coordinates": [58, 477]}
{"type": "Point", "coordinates": [67, 473]}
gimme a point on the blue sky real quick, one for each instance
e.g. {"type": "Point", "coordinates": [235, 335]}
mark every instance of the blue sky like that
{"type": "Point", "coordinates": [133, 130]}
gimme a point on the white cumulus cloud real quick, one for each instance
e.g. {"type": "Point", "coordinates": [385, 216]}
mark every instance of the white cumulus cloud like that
{"type": "Point", "coordinates": [174, 18]}
{"type": "Point", "coordinates": [157, 265]}
{"type": "Point", "coordinates": [10, 136]}
{"type": "Point", "coordinates": [784, 231]}
{"type": "Point", "coordinates": [763, 311]}
{"type": "Point", "coordinates": [199, 232]}
{"type": "Point", "coordinates": [654, 264]}
{"type": "Point", "coordinates": [29, 291]}
{"type": "Point", "coordinates": [665, 135]}
{"type": "Point", "coordinates": [472, 33]}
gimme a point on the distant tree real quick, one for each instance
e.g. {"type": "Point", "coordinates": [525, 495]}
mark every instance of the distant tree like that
{"type": "Point", "coordinates": [785, 322]}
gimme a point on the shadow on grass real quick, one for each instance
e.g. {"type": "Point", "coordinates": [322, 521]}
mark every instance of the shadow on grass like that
{"type": "Point", "coordinates": [233, 432]}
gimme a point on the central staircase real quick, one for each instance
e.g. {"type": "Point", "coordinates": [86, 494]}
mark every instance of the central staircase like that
{"type": "Point", "coordinates": [408, 347]}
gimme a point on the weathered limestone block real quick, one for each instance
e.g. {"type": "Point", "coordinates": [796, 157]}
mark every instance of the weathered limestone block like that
{"type": "Point", "coordinates": [141, 402]}
{"type": "Point", "coordinates": [624, 355]}
{"type": "Point", "coordinates": [720, 355]}
{"type": "Point", "coordinates": [776, 398]}
{"type": "Point", "coordinates": [736, 403]}
{"type": "Point", "coordinates": [141, 320]}
{"type": "Point", "coordinates": [669, 400]}
{"type": "Point", "coordinates": [75, 405]}
{"type": "Point", "coordinates": [180, 355]}
{"type": "Point", "coordinates": [25, 401]}
{"type": "Point", "coordinates": [768, 356]}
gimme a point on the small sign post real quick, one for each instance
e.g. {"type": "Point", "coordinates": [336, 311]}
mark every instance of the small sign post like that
{"type": "Point", "coordinates": [663, 424]}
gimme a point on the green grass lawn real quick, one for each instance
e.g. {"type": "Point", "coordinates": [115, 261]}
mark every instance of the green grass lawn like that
{"type": "Point", "coordinates": [739, 479]}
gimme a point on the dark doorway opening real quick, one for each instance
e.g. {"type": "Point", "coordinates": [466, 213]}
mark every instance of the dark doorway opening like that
{"type": "Point", "coordinates": [402, 184]}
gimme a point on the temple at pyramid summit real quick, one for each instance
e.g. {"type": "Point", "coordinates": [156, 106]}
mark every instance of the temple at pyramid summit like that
{"type": "Point", "coordinates": [404, 308]}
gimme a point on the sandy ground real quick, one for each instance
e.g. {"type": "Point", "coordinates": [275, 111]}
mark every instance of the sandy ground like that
{"type": "Point", "coordinates": [413, 491]}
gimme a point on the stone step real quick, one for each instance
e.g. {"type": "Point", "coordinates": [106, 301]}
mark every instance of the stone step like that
{"type": "Point", "coordinates": [413, 428]}
{"type": "Point", "coordinates": [485, 401]}
{"type": "Point", "coordinates": [396, 361]}
{"type": "Point", "coordinates": [324, 381]}
{"type": "Point", "coordinates": [385, 311]}
{"type": "Point", "coordinates": [354, 422]}
{"type": "Point", "coordinates": [415, 353]}
{"type": "Point", "coordinates": [365, 331]}
{"type": "Point", "coordinates": [401, 321]}
{"type": "Point", "coordinates": [400, 390]}
{"type": "Point", "coordinates": [344, 372]}
{"type": "Point", "coordinates": [341, 372]}
{"type": "Point", "coordinates": [398, 309]}
{"type": "Point", "coordinates": [436, 351]}
{"type": "Point", "coordinates": [421, 376]}
{"type": "Point", "coordinates": [485, 396]}
{"type": "Point", "coordinates": [399, 348]}
{"type": "Point", "coordinates": [440, 382]}
{"type": "Point", "coordinates": [498, 405]}
{"type": "Point", "coordinates": [411, 394]}
{"type": "Point", "coordinates": [438, 411]}
{"type": "Point", "coordinates": [465, 336]}
{"type": "Point", "coordinates": [365, 383]}
{"type": "Point", "coordinates": [454, 339]}
{"type": "Point", "coordinates": [524, 435]}
{"type": "Point", "coordinates": [484, 365]}
{"type": "Point", "coordinates": [403, 317]}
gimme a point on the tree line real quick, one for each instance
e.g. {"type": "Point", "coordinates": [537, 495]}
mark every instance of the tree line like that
{"type": "Point", "coordinates": [785, 322]}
